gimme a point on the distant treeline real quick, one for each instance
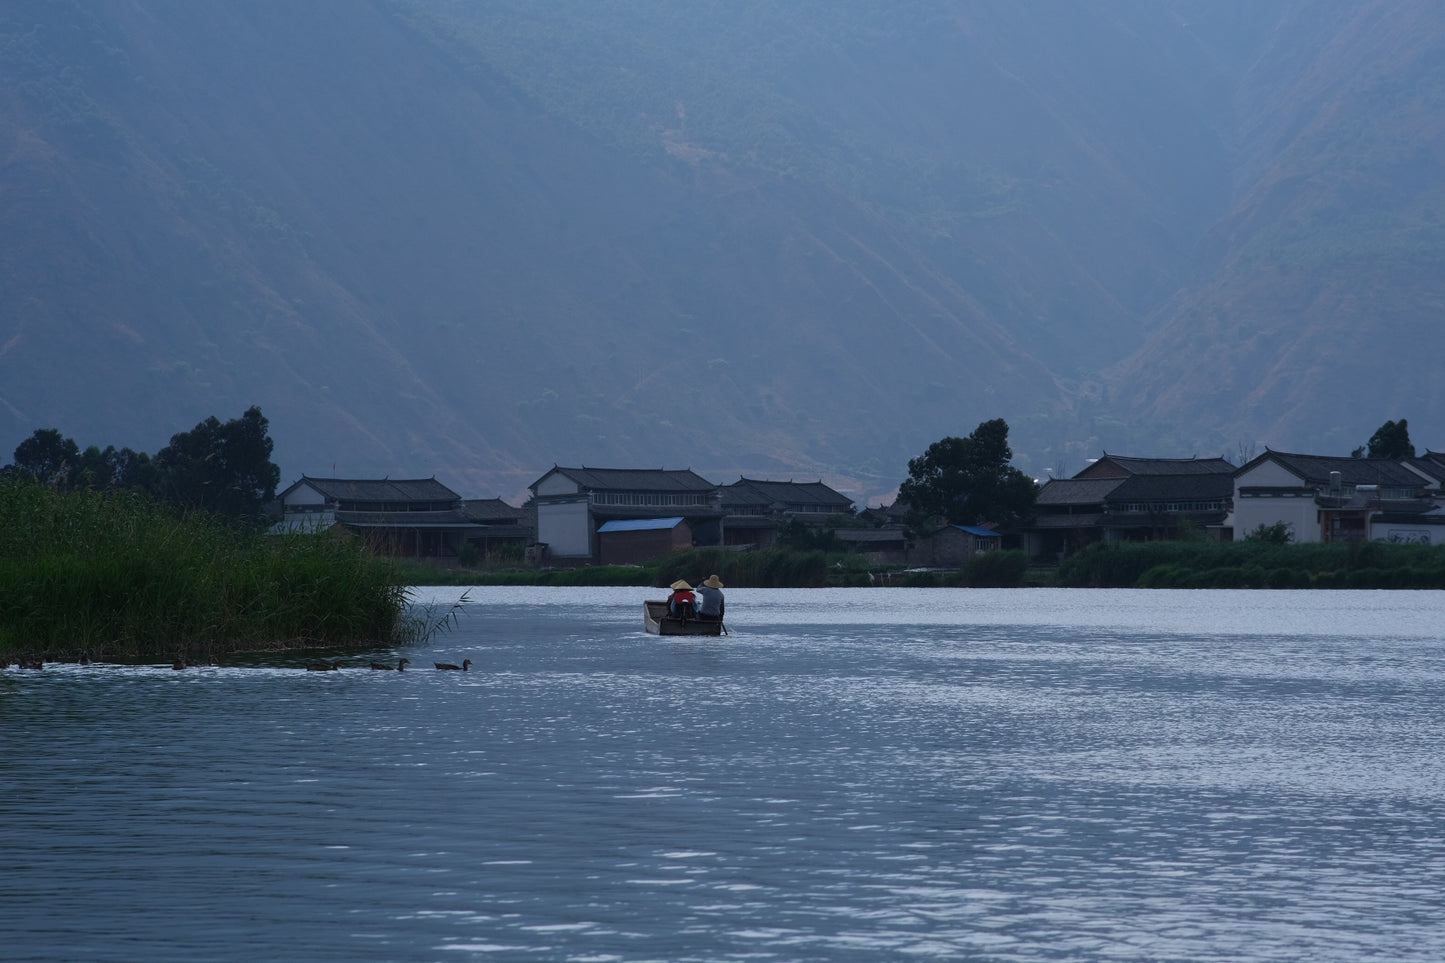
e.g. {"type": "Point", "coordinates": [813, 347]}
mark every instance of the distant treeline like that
{"type": "Point", "coordinates": [223, 468]}
{"type": "Point", "coordinates": [118, 576]}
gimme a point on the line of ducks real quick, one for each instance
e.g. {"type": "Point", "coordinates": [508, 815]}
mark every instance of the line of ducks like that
{"type": "Point", "coordinates": [180, 664]}
{"type": "Point", "coordinates": [27, 663]}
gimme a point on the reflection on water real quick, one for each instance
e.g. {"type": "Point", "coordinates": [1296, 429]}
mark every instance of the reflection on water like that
{"type": "Point", "coordinates": [860, 774]}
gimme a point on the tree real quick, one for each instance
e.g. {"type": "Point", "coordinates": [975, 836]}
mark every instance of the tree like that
{"type": "Point", "coordinates": [1390, 440]}
{"type": "Point", "coordinates": [967, 481]}
{"type": "Point", "coordinates": [48, 457]}
{"type": "Point", "coordinates": [58, 462]}
{"type": "Point", "coordinates": [1280, 533]}
{"type": "Point", "coordinates": [225, 469]}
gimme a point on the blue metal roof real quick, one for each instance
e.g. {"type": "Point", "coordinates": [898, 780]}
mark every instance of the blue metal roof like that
{"type": "Point", "coordinates": [980, 532]}
{"type": "Point", "coordinates": [640, 525]}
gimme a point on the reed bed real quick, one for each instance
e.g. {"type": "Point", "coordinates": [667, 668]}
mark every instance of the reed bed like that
{"type": "Point", "coordinates": [1253, 564]}
{"type": "Point", "coordinates": [113, 575]}
{"type": "Point", "coordinates": [765, 568]}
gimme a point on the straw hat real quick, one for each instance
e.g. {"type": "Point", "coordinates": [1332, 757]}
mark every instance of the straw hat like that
{"type": "Point", "coordinates": [680, 586]}
{"type": "Point", "coordinates": [713, 582]}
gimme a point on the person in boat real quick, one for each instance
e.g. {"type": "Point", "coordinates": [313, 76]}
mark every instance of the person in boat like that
{"type": "Point", "coordinates": [682, 603]}
{"type": "Point", "coordinates": [710, 600]}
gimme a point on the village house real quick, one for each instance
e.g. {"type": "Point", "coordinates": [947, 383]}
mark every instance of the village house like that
{"type": "Point", "coordinates": [755, 509]}
{"type": "Point", "coordinates": [882, 546]}
{"type": "Point", "coordinates": [501, 528]}
{"type": "Point", "coordinates": [952, 546]}
{"type": "Point", "coordinates": [573, 504]}
{"type": "Point", "coordinates": [1119, 498]}
{"type": "Point", "coordinates": [414, 518]}
{"type": "Point", "coordinates": [634, 541]}
{"type": "Point", "coordinates": [1324, 498]}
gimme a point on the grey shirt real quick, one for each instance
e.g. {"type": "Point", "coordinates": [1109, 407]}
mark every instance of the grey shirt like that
{"type": "Point", "coordinates": [709, 600]}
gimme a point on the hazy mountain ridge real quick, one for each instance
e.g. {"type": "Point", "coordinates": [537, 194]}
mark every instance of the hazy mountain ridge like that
{"type": "Point", "coordinates": [1323, 309]}
{"type": "Point", "coordinates": [473, 240]}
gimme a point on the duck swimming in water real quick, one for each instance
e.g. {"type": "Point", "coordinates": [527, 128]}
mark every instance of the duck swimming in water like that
{"type": "Point", "coordinates": [466, 664]}
{"type": "Point", "coordinates": [400, 665]}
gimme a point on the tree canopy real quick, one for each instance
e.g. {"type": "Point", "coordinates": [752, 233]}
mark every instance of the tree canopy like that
{"type": "Point", "coordinates": [967, 481]}
{"type": "Point", "coordinates": [48, 457]}
{"type": "Point", "coordinates": [1390, 440]}
{"type": "Point", "coordinates": [222, 468]}
{"type": "Point", "coordinates": [225, 469]}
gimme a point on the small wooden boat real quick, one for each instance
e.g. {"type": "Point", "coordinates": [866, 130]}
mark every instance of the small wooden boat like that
{"type": "Point", "coordinates": [656, 620]}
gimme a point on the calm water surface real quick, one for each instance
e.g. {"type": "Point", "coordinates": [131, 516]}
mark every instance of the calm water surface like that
{"type": "Point", "coordinates": [865, 774]}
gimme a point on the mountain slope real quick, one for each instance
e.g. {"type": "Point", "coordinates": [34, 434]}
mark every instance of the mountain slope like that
{"type": "Point", "coordinates": [1317, 314]}
{"type": "Point", "coordinates": [412, 270]}
{"type": "Point", "coordinates": [767, 238]}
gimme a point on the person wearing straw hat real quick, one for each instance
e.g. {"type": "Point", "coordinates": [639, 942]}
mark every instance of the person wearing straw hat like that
{"type": "Point", "coordinates": [682, 603]}
{"type": "Point", "coordinates": [710, 608]}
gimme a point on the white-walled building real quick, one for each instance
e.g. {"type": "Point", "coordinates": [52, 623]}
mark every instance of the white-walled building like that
{"type": "Point", "coordinates": [1336, 499]}
{"type": "Point", "coordinates": [573, 503]}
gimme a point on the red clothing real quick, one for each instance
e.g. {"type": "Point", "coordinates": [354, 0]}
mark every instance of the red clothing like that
{"type": "Point", "coordinates": [682, 602]}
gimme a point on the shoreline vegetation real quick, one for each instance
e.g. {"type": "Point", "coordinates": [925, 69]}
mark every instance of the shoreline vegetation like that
{"type": "Point", "coordinates": [759, 568]}
{"type": "Point", "coordinates": [116, 576]}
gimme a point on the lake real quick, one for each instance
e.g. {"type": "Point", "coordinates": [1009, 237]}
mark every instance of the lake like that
{"type": "Point", "coordinates": [853, 774]}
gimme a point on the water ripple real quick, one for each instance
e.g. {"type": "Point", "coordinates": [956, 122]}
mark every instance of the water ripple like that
{"type": "Point", "coordinates": [843, 778]}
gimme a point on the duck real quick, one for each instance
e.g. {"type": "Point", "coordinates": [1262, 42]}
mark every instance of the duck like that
{"type": "Point", "coordinates": [179, 664]}
{"type": "Point", "coordinates": [466, 664]}
{"type": "Point", "coordinates": [400, 665]}
{"type": "Point", "coordinates": [323, 666]}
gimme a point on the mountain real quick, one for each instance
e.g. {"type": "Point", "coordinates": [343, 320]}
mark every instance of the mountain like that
{"type": "Point", "coordinates": [781, 239]}
{"type": "Point", "coordinates": [1319, 291]}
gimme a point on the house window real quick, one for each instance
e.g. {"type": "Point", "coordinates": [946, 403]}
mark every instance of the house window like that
{"type": "Point", "coordinates": [650, 498]}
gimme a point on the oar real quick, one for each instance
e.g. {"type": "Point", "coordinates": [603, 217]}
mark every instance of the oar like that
{"type": "Point", "coordinates": [724, 628]}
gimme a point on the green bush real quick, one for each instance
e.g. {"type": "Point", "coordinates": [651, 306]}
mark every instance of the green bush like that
{"type": "Point", "coordinates": [468, 555]}
{"type": "Point", "coordinates": [1165, 576]}
{"type": "Point", "coordinates": [1255, 564]}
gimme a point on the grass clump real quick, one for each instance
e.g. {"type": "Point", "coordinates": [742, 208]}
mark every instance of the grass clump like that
{"type": "Point", "coordinates": [114, 575]}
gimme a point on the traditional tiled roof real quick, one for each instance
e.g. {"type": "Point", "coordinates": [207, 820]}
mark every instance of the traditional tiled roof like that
{"type": "Point", "coordinates": [489, 511]}
{"type": "Point", "coordinates": [380, 489]}
{"type": "Point", "coordinates": [1076, 491]}
{"type": "Point", "coordinates": [1431, 465]}
{"type": "Point", "coordinates": [634, 479]}
{"type": "Point", "coordinates": [787, 495]}
{"type": "Point", "coordinates": [1160, 466]}
{"type": "Point", "coordinates": [1316, 469]}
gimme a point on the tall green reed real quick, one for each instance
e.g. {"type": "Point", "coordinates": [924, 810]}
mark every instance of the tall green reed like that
{"type": "Point", "coordinates": [112, 574]}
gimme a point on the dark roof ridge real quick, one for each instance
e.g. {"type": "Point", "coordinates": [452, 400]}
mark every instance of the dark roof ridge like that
{"type": "Point", "coordinates": [387, 478]}
{"type": "Point", "coordinates": [1164, 458]}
